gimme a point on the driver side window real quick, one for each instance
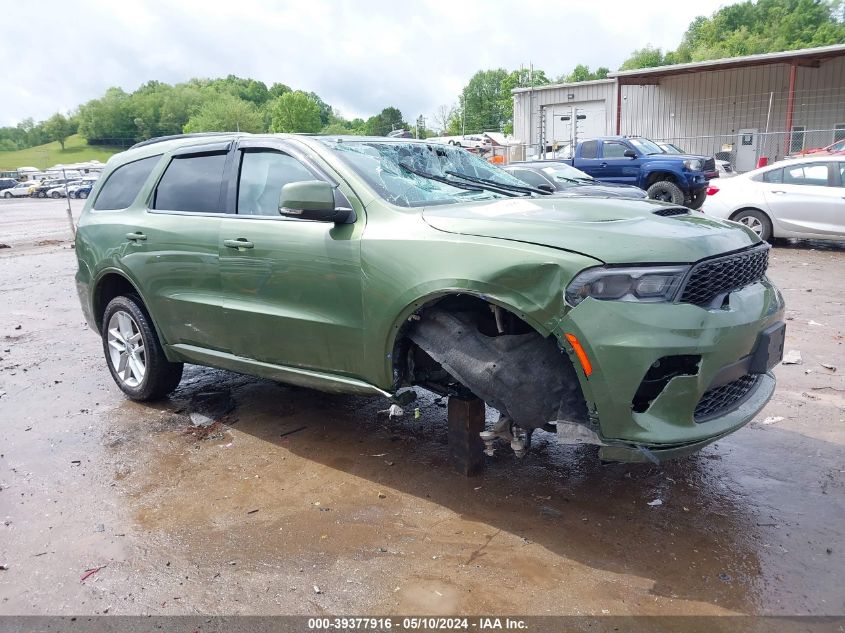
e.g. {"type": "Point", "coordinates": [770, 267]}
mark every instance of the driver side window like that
{"type": "Point", "coordinates": [613, 150]}
{"type": "Point", "coordinates": [263, 174]}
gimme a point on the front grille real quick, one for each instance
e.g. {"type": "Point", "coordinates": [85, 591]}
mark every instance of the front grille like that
{"type": "Point", "coordinates": [710, 164]}
{"type": "Point", "coordinates": [722, 399]}
{"type": "Point", "coordinates": [713, 278]}
{"type": "Point", "coordinates": [670, 212]}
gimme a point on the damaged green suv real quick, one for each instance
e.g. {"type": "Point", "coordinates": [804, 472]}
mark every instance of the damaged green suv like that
{"type": "Point", "coordinates": [365, 265]}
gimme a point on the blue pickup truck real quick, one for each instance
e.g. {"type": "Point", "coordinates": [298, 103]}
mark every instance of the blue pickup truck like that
{"type": "Point", "coordinates": [633, 160]}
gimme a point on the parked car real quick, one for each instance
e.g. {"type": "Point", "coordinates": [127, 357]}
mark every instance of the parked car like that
{"type": "Point", "coordinates": [563, 179]}
{"type": "Point", "coordinates": [834, 148]}
{"type": "Point", "coordinates": [20, 190]}
{"type": "Point", "coordinates": [7, 183]}
{"type": "Point", "coordinates": [633, 160]}
{"type": "Point", "coordinates": [83, 190]}
{"type": "Point", "coordinates": [723, 167]}
{"type": "Point", "coordinates": [368, 266]}
{"type": "Point", "coordinates": [42, 189]}
{"type": "Point", "coordinates": [62, 190]}
{"type": "Point", "coordinates": [802, 197]}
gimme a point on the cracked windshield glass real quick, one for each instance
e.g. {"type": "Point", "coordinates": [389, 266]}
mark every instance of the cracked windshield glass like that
{"type": "Point", "coordinates": [414, 174]}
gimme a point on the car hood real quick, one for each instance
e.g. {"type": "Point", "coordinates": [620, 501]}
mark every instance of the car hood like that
{"type": "Point", "coordinates": [608, 190]}
{"type": "Point", "coordinates": [611, 230]}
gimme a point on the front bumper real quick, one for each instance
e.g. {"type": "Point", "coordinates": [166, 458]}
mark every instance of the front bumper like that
{"type": "Point", "coordinates": [624, 339]}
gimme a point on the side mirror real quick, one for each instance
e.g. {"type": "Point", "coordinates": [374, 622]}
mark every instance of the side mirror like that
{"type": "Point", "coordinates": [312, 200]}
{"type": "Point", "coordinates": [629, 153]}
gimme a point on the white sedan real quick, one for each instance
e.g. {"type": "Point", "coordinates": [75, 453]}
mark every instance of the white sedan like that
{"type": "Point", "coordinates": [20, 190]}
{"type": "Point", "coordinates": [802, 197]}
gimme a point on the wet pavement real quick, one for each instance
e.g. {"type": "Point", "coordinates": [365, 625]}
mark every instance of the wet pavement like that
{"type": "Point", "coordinates": [272, 499]}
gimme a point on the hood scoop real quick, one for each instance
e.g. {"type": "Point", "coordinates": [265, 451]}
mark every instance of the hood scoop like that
{"type": "Point", "coordinates": [667, 213]}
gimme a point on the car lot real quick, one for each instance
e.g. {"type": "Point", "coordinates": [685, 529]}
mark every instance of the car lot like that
{"type": "Point", "coordinates": [290, 489]}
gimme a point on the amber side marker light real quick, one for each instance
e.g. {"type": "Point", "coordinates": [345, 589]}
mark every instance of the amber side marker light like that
{"type": "Point", "coordinates": [581, 354]}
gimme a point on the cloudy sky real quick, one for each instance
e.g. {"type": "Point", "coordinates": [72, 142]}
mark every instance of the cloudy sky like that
{"type": "Point", "coordinates": [359, 56]}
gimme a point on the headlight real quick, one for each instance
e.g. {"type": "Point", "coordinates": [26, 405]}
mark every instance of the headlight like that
{"type": "Point", "coordinates": [693, 165]}
{"type": "Point", "coordinates": [651, 284]}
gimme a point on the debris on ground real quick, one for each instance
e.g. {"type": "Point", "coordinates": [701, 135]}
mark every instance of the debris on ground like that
{"type": "Point", "coordinates": [4, 567]}
{"type": "Point", "coordinates": [381, 495]}
{"type": "Point", "coordinates": [773, 418]}
{"type": "Point", "coordinates": [828, 366]}
{"type": "Point", "coordinates": [200, 420]}
{"type": "Point", "coordinates": [815, 323]}
{"type": "Point", "coordinates": [100, 528]}
{"type": "Point", "coordinates": [5, 246]}
{"type": "Point", "coordinates": [90, 572]}
{"type": "Point", "coordinates": [792, 357]}
{"type": "Point", "coordinates": [655, 503]}
{"type": "Point", "coordinates": [292, 431]}
{"type": "Point", "coordinates": [317, 589]}
{"type": "Point", "coordinates": [210, 432]}
{"type": "Point", "coordinates": [252, 511]}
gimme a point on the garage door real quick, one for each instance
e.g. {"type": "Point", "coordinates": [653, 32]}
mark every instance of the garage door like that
{"type": "Point", "coordinates": [559, 125]}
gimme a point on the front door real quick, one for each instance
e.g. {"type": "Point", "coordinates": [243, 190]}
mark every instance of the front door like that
{"type": "Point", "coordinates": [293, 287]}
{"type": "Point", "coordinates": [616, 166]}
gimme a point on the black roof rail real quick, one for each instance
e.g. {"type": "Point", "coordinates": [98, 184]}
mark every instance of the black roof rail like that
{"type": "Point", "coordinates": [161, 139]}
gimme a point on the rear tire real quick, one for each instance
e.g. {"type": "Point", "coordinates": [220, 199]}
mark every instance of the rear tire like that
{"type": "Point", "coordinates": [7, 195]}
{"type": "Point", "coordinates": [82, 195]}
{"type": "Point", "coordinates": [55, 194]}
{"type": "Point", "coordinates": [698, 199]}
{"type": "Point", "coordinates": [757, 221]}
{"type": "Point", "coordinates": [133, 352]}
{"type": "Point", "coordinates": [666, 191]}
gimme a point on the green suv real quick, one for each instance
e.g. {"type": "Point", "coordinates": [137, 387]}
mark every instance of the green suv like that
{"type": "Point", "coordinates": [366, 265]}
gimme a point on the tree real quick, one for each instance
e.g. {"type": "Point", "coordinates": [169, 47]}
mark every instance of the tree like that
{"type": "Point", "coordinates": [277, 90]}
{"type": "Point", "coordinates": [385, 122]}
{"type": "Point", "coordinates": [748, 28]}
{"type": "Point", "coordinates": [486, 107]}
{"type": "Point", "coordinates": [226, 113]}
{"type": "Point", "coordinates": [444, 116]}
{"type": "Point", "coordinates": [295, 112]}
{"type": "Point", "coordinates": [58, 128]}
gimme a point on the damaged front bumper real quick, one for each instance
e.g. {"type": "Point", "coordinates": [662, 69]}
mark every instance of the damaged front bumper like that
{"type": "Point", "coordinates": [624, 340]}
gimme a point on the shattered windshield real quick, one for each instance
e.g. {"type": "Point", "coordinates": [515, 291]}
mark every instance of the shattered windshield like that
{"type": "Point", "coordinates": [378, 162]}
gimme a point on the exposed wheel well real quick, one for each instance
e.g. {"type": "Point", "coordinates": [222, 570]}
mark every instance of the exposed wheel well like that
{"type": "Point", "coordinates": [110, 286]}
{"type": "Point", "coordinates": [660, 176]}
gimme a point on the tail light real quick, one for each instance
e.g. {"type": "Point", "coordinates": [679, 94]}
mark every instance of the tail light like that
{"type": "Point", "coordinates": [711, 190]}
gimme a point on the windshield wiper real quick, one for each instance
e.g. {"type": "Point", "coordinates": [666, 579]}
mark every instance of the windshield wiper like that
{"type": "Point", "coordinates": [451, 182]}
{"type": "Point", "coordinates": [493, 183]}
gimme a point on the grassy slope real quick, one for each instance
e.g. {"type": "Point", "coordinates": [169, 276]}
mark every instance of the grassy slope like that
{"type": "Point", "coordinates": [43, 156]}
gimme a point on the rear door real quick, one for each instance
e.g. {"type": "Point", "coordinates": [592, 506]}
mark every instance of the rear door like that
{"type": "Point", "coordinates": [809, 198]}
{"type": "Point", "coordinates": [293, 287]}
{"type": "Point", "coordinates": [588, 159]}
{"type": "Point", "coordinates": [172, 248]}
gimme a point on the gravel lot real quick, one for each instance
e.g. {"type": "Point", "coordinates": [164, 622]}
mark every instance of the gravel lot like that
{"type": "Point", "coordinates": [295, 489]}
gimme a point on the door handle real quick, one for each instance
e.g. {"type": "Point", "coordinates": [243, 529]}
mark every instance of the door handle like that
{"type": "Point", "coordinates": [779, 192]}
{"type": "Point", "coordinates": [239, 243]}
{"type": "Point", "coordinates": [603, 165]}
{"type": "Point", "coordinates": [136, 237]}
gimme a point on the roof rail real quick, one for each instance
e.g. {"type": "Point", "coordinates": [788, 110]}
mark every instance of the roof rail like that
{"type": "Point", "coordinates": [161, 139]}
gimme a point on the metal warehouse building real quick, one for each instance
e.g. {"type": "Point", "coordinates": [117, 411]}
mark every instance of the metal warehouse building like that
{"type": "Point", "coordinates": [750, 107]}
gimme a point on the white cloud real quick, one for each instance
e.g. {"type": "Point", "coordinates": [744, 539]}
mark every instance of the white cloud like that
{"type": "Point", "coordinates": [359, 56]}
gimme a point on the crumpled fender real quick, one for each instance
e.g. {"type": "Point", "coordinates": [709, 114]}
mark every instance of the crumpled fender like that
{"type": "Point", "coordinates": [526, 377]}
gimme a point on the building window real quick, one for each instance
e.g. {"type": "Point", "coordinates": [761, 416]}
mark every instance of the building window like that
{"type": "Point", "coordinates": [796, 140]}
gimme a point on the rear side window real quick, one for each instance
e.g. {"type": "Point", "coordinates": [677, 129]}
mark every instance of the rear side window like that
{"type": "Point", "coordinates": [814, 174]}
{"type": "Point", "coordinates": [590, 149]}
{"type": "Point", "coordinates": [124, 183]}
{"type": "Point", "coordinates": [191, 183]}
{"type": "Point", "coordinates": [775, 175]}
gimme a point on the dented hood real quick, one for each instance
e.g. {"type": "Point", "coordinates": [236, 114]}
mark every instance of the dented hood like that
{"type": "Point", "coordinates": [612, 230]}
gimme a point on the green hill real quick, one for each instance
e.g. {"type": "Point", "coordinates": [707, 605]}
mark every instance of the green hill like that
{"type": "Point", "coordinates": [43, 156]}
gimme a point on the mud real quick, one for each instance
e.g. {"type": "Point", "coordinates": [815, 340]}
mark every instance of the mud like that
{"type": "Point", "coordinates": [239, 496]}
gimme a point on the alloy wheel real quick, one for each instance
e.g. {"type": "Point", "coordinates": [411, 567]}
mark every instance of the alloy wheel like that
{"type": "Point", "coordinates": [752, 223]}
{"type": "Point", "coordinates": [126, 349]}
